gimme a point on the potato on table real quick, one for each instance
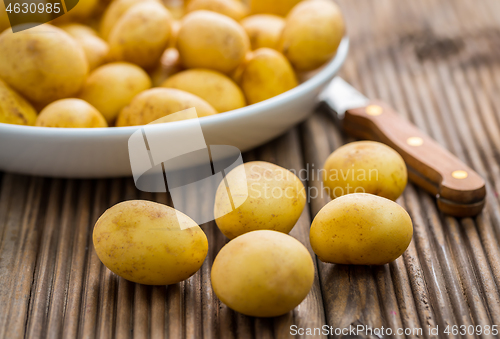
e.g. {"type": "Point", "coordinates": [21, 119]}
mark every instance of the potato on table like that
{"type": "Point", "coordinates": [365, 167]}
{"type": "Point", "coordinates": [70, 113]}
{"type": "Point", "coordinates": [14, 109]}
{"type": "Point", "coordinates": [275, 200]}
{"type": "Point", "coordinates": [312, 34]}
{"type": "Point", "coordinates": [141, 35]}
{"type": "Point", "coordinates": [111, 87]}
{"type": "Point", "coordinates": [43, 65]}
{"type": "Point", "coordinates": [149, 243]}
{"type": "Point", "coordinates": [211, 40]}
{"type": "Point", "coordinates": [216, 88]}
{"type": "Point", "coordinates": [156, 103]}
{"type": "Point", "coordinates": [262, 273]}
{"type": "Point", "coordinates": [360, 229]}
{"type": "Point", "coordinates": [267, 74]}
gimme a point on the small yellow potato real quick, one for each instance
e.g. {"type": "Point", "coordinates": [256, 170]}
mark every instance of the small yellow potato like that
{"type": "Point", "coordinates": [114, 12]}
{"type": "Point", "coordinates": [312, 34]}
{"type": "Point", "coordinates": [216, 88]}
{"type": "Point", "coordinates": [365, 167]}
{"type": "Point", "coordinates": [211, 40]}
{"type": "Point", "coordinates": [4, 19]}
{"type": "Point", "coordinates": [275, 199]}
{"type": "Point", "coordinates": [277, 7]}
{"type": "Point", "coordinates": [264, 30]}
{"type": "Point", "coordinates": [263, 274]}
{"type": "Point", "coordinates": [231, 8]}
{"type": "Point", "coordinates": [14, 109]}
{"type": "Point", "coordinates": [111, 87]}
{"type": "Point", "coordinates": [96, 50]}
{"type": "Point", "coordinates": [70, 113]}
{"type": "Point", "coordinates": [141, 35]}
{"type": "Point", "coordinates": [360, 229]}
{"type": "Point", "coordinates": [267, 74]}
{"type": "Point", "coordinates": [82, 11]}
{"type": "Point", "coordinates": [149, 243]}
{"type": "Point", "coordinates": [169, 65]}
{"type": "Point", "coordinates": [156, 103]}
{"type": "Point", "coordinates": [43, 65]}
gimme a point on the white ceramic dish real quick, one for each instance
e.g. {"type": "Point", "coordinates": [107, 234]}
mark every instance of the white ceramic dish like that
{"type": "Point", "coordinates": [103, 152]}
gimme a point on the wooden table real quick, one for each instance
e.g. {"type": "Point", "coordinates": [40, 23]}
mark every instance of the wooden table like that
{"type": "Point", "coordinates": [437, 63]}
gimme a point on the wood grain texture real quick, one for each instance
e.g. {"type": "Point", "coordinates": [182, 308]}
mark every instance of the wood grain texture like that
{"type": "Point", "coordinates": [437, 62]}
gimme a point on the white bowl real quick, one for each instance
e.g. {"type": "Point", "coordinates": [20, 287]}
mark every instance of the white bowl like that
{"type": "Point", "coordinates": [103, 152]}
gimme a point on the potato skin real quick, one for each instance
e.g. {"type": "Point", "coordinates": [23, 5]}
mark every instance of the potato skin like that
{"type": "Point", "coordinates": [360, 229]}
{"type": "Point", "coordinates": [264, 30]}
{"type": "Point", "coordinates": [267, 74]}
{"type": "Point", "coordinates": [312, 34]}
{"type": "Point", "coordinates": [14, 109]}
{"type": "Point", "coordinates": [70, 113]}
{"type": "Point", "coordinates": [111, 87]}
{"type": "Point", "coordinates": [114, 12]}
{"type": "Point", "coordinates": [42, 67]}
{"type": "Point", "coordinates": [214, 87]}
{"type": "Point", "coordinates": [211, 40]}
{"type": "Point", "coordinates": [155, 103]}
{"type": "Point", "coordinates": [263, 273]}
{"type": "Point", "coordinates": [149, 243]}
{"type": "Point", "coordinates": [365, 167]}
{"type": "Point", "coordinates": [276, 199]}
{"type": "Point", "coordinates": [96, 50]}
{"type": "Point", "coordinates": [277, 7]}
{"type": "Point", "coordinates": [141, 35]}
{"type": "Point", "coordinates": [231, 8]}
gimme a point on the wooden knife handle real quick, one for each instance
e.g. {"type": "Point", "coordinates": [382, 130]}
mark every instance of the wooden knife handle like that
{"type": "Point", "coordinates": [430, 165]}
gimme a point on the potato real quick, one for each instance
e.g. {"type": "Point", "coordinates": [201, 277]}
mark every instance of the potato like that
{"type": "Point", "coordinates": [278, 7]}
{"type": "Point", "coordinates": [264, 30]}
{"type": "Point", "coordinates": [276, 198]}
{"type": "Point", "coordinates": [360, 229]}
{"type": "Point", "coordinates": [43, 65]}
{"type": "Point", "coordinates": [262, 274]}
{"type": "Point", "coordinates": [267, 74]}
{"type": "Point", "coordinates": [141, 35]}
{"type": "Point", "coordinates": [14, 109]}
{"type": "Point", "coordinates": [156, 103]}
{"type": "Point", "coordinates": [149, 243]}
{"type": "Point", "coordinates": [4, 19]}
{"type": "Point", "coordinates": [114, 12]}
{"type": "Point", "coordinates": [113, 86]}
{"type": "Point", "coordinates": [82, 11]}
{"type": "Point", "coordinates": [70, 113]}
{"type": "Point", "coordinates": [211, 40]}
{"type": "Point", "coordinates": [216, 88]}
{"type": "Point", "coordinates": [312, 34]}
{"type": "Point", "coordinates": [365, 167]}
{"type": "Point", "coordinates": [231, 8]}
{"type": "Point", "coordinates": [96, 50]}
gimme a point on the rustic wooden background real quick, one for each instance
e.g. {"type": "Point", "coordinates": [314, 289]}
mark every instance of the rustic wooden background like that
{"type": "Point", "coordinates": [437, 62]}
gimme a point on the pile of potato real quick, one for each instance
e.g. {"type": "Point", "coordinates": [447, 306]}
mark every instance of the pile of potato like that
{"type": "Point", "coordinates": [131, 62]}
{"type": "Point", "coordinates": [262, 271]}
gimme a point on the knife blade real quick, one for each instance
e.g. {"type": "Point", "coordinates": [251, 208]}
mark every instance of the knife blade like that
{"type": "Point", "coordinates": [459, 190]}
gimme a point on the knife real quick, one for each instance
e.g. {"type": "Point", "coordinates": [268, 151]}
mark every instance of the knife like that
{"type": "Point", "coordinates": [459, 190]}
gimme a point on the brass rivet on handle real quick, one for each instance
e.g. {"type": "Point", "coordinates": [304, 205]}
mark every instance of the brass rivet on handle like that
{"type": "Point", "coordinates": [459, 174]}
{"type": "Point", "coordinates": [374, 110]}
{"type": "Point", "coordinates": [415, 141]}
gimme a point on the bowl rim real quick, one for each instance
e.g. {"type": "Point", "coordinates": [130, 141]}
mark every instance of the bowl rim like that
{"type": "Point", "coordinates": [323, 75]}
